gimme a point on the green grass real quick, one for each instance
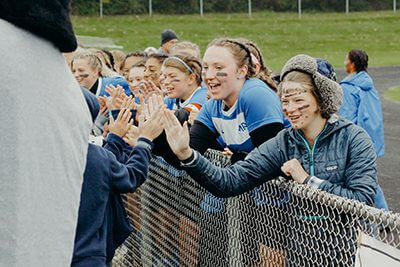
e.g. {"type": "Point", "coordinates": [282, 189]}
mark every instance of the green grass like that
{"type": "Point", "coordinates": [280, 35]}
{"type": "Point", "coordinates": [393, 94]}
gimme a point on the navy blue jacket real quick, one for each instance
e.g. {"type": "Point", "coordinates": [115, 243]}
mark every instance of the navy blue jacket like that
{"type": "Point", "coordinates": [104, 176]}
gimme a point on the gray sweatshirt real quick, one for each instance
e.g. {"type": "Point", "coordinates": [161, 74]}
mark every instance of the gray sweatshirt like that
{"type": "Point", "coordinates": [44, 129]}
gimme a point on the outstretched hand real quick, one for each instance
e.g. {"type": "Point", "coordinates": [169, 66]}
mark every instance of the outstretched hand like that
{"type": "Point", "coordinates": [122, 124]}
{"type": "Point", "coordinates": [177, 135]}
{"type": "Point", "coordinates": [151, 118]}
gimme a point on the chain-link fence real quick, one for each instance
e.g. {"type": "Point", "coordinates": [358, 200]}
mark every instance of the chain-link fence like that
{"type": "Point", "coordinates": [177, 223]}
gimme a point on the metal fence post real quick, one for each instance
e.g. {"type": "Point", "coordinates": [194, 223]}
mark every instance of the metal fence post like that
{"type": "Point", "coordinates": [347, 6]}
{"type": "Point", "coordinates": [394, 6]}
{"type": "Point", "coordinates": [299, 7]}
{"type": "Point", "coordinates": [250, 8]}
{"type": "Point", "coordinates": [201, 7]}
{"type": "Point", "coordinates": [101, 8]}
{"type": "Point", "coordinates": [150, 8]}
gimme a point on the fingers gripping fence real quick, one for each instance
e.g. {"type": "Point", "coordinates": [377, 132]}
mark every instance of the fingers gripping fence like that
{"type": "Point", "coordinates": [177, 223]}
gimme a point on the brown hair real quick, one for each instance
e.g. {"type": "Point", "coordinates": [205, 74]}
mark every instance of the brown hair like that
{"type": "Point", "coordinates": [240, 52]}
{"type": "Point", "coordinates": [192, 62]}
{"type": "Point", "coordinates": [307, 81]}
{"type": "Point", "coordinates": [265, 74]}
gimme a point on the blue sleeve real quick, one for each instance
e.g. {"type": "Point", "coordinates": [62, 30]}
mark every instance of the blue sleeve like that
{"type": "Point", "coordinates": [360, 176]}
{"type": "Point", "coordinates": [128, 177]}
{"type": "Point", "coordinates": [200, 97]}
{"type": "Point", "coordinates": [117, 146]}
{"type": "Point", "coordinates": [261, 106]}
{"type": "Point", "coordinates": [350, 103]}
{"type": "Point", "coordinates": [205, 116]}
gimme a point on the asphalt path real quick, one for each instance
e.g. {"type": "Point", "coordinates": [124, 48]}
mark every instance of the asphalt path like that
{"type": "Point", "coordinates": [388, 165]}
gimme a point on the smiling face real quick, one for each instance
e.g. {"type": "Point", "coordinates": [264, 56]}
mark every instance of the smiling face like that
{"type": "Point", "coordinates": [84, 73]}
{"type": "Point", "coordinates": [221, 74]}
{"type": "Point", "coordinates": [178, 84]}
{"type": "Point", "coordinates": [299, 105]}
{"type": "Point", "coordinates": [152, 71]}
{"type": "Point", "coordinates": [136, 76]}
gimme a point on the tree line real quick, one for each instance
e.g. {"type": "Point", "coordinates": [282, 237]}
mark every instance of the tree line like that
{"type": "Point", "coordinates": [122, 7]}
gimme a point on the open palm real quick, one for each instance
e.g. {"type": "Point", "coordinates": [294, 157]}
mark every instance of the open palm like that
{"type": "Point", "coordinates": [177, 135]}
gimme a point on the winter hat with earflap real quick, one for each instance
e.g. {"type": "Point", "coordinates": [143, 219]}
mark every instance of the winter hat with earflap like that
{"type": "Point", "coordinates": [329, 92]}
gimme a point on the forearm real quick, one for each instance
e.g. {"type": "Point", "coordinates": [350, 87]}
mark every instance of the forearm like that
{"type": "Point", "coordinates": [232, 181]}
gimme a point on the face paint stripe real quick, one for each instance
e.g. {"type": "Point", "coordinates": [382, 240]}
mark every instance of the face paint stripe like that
{"type": "Point", "coordinates": [221, 74]}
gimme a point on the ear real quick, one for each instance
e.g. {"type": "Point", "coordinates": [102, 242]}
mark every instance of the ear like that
{"type": "Point", "coordinates": [242, 72]}
{"type": "Point", "coordinates": [192, 78]}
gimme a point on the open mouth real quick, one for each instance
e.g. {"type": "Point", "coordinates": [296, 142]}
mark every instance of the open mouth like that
{"type": "Point", "coordinates": [214, 87]}
{"type": "Point", "coordinates": [294, 119]}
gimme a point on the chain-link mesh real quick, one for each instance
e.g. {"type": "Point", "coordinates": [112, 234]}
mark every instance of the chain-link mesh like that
{"type": "Point", "coordinates": [177, 223]}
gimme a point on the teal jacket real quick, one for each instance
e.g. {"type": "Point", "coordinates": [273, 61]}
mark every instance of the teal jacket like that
{"type": "Point", "coordinates": [342, 163]}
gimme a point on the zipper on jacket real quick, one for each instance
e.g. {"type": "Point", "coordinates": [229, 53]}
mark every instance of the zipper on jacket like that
{"type": "Point", "coordinates": [311, 151]}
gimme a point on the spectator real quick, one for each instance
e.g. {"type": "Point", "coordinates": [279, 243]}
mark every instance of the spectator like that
{"type": "Point", "coordinates": [310, 101]}
{"type": "Point", "coordinates": [130, 60]}
{"type": "Point", "coordinates": [105, 175]}
{"type": "Point", "coordinates": [168, 39]}
{"type": "Point", "coordinates": [136, 76]}
{"type": "Point", "coordinates": [361, 102]}
{"type": "Point", "coordinates": [362, 106]}
{"type": "Point", "coordinates": [87, 69]}
{"type": "Point", "coordinates": [44, 134]}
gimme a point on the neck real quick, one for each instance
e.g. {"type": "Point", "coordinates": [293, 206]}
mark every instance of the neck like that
{"type": "Point", "coordinates": [314, 129]}
{"type": "Point", "coordinates": [231, 99]}
{"type": "Point", "coordinates": [189, 93]}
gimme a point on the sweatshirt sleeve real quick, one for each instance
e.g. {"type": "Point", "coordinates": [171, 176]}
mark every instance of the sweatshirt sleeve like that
{"type": "Point", "coordinates": [261, 165]}
{"type": "Point", "coordinates": [128, 177]}
{"type": "Point", "coordinates": [117, 146]}
{"type": "Point", "coordinates": [360, 176]}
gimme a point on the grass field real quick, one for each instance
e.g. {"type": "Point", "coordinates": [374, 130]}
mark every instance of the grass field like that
{"type": "Point", "coordinates": [280, 35]}
{"type": "Point", "coordinates": [393, 94]}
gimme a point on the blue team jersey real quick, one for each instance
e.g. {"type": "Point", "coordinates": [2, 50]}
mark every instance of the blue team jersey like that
{"type": "Point", "coordinates": [256, 106]}
{"type": "Point", "coordinates": [198, 97]}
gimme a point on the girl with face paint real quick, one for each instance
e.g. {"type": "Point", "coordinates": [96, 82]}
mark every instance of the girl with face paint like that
{"type": "Point", "coordinates": [321, 150]}
{"type": "Point", "coordinates": [87, 68]}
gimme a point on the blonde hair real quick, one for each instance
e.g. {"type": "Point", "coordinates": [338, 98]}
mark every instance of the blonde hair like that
{"type": "Point", "coordinates": [107, 66]}
{"type": "Point", "coordinates": [93, 60]}
{"type": "Point", "coordinates": [179, 62]}
{"type": "Point", "coordinates": [185, 45]}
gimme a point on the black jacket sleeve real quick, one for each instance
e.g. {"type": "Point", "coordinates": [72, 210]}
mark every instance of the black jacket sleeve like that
{"type": "Point", "coordinates": [202, 138]}
{"type": "Point", "coordinates": [258, 137]}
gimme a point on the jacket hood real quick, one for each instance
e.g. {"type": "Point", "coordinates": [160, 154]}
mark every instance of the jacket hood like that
{"type": "Point", "coordinates": [48, 19]}
{"type": "Point", "coordinates": [92, 102]}
{"type": "Point", "coordinates": [360, 79]}
{"type": "Point", "coordinates": [334, 124]}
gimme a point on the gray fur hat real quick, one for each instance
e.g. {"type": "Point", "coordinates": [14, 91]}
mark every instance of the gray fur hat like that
{"type": "Point", "coordinates": [329, 92]}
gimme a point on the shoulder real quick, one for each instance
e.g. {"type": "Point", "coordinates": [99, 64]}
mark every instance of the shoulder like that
{"type": "Point", "coordinates": [256, 90]}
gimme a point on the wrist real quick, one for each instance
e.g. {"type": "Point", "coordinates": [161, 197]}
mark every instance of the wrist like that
{"type": "Point", "coordinates": [185, 154]}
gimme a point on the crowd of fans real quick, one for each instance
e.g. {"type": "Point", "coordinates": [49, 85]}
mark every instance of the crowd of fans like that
{"type": "Point", "coordinates": [171, 103]}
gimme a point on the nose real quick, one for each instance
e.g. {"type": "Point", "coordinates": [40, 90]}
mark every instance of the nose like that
{"type": "Point", "coordinates": [291, 107]}
{"type": "Point", "coordinates": [208, 74]}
